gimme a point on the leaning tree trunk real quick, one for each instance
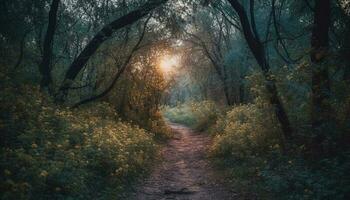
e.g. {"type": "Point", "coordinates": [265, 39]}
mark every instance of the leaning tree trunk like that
{"type": "Point", "coordinates": [258, 50]}
{"type": "Point", "coordinates": [104, 34]}
{"type": "Point", "coordinates": [321, 108]}
{"type": "Point", "coordinates": [46, 62]}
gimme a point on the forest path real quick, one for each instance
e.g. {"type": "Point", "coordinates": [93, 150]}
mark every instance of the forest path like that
{"type": "Point", "coordinates": [185, 172]}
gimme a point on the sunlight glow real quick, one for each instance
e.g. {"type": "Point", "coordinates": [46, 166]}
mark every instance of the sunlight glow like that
{"type": "Point", "coordinates": [168, 63]}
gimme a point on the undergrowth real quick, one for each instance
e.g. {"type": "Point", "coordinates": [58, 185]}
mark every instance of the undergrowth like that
{"type": "Point", "coordinates": [247, 146]}
{"type": "Point", "coordinates": [51, 152]}
{"type": "Point", "coordinates": [198, 115]}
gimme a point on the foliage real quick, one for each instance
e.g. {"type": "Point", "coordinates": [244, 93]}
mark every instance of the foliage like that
{"type": "Point", "coordinates": [283, 177]}
{"type": "Point", "coordinates": [244, 131]}
{"type": "Point", "coordinates": [246, 145]}
{"type": "Point", "coordinates": [137, 96]}
{"type": "Point", "coordinates": [54, 152]}
{"type": "Point", "coordinates": [199, 115]}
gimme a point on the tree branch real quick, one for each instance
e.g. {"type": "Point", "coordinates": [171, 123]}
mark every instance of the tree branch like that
{"type": "Point", "coordinates": [102, 36]}
{"type": "Point", "coordinates": [120, 71]}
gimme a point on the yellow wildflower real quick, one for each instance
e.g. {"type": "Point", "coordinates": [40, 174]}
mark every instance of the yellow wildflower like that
{"type": "Point", "coordinates": [44, 173]}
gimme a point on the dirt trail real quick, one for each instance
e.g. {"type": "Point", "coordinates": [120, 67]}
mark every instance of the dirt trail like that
{"type": "Point", "coordinates": [185, 172]}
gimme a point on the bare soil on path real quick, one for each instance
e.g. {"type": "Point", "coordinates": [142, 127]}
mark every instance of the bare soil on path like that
{"type": "Point", "coordinates": [185, 172]}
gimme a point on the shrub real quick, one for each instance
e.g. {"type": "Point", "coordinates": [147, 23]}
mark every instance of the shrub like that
{"type": "Point", "coordinates": [246, 144]}
{"type": "Point", "coordinates": [246, 130]}
{"type": "Point", "coordinates": [198, 115]}
{"type": "Point", "coordinates": [51, 152]}
{"type": "Point", "coordinates": [294, 178]}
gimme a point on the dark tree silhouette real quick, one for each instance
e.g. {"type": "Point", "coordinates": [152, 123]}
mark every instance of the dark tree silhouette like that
{"type": "Point", "coordinates": [99, 38]}
{"type": "Point", "coordinates": [46, 62]}
{"type": "Point", "coordinates": [258, 50]}
{"type": "Point", "coordinates": [321, 110]}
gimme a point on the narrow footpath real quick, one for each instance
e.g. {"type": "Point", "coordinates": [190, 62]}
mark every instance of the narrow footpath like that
{"type": "Point", "coordinates": [185, 172]}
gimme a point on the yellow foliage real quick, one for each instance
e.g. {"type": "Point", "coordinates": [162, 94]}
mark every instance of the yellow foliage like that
{"type": "Point", "coordinates": [51, 150]}
{"type": "Point", "coordinates": [245, 130]}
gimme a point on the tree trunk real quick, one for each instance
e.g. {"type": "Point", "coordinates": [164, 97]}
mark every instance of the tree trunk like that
{"type": "Point", "coordinates": [227, 93]}
{"type": "Point", "coordinates": [21, 50]}
{"type": "Point", "coordinates": [99, 38]}
{"type": "Point", "coordinates": [241, 91]}
{"type": "Point", "coordinates": [46, 62]}
{"type": "Point", "coordinates": [258, 50]}
{"type": "Point", "coordinates": [321, 108]}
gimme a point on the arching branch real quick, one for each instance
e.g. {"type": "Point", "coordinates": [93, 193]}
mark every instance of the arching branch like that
{"type": "Point", "coordinates": [100, 38]}
{"type": "Point", "coordinates": [119, 72]}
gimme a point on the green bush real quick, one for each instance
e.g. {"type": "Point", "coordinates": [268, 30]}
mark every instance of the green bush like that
{"type": "Point", "coordinates": [246, 145]}
{"type": "Point", "coordinates": [246, 130]}
{"type": "Point", "coordinates": [294, 178]}
{"type": "Point", "coordinates": [198, 115]}
{"type": "Point", "coordinates": [50, 152]}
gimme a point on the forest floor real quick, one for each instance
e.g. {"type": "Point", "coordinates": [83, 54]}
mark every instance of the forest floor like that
{"type": "Point", "coordinates": [185, 171]}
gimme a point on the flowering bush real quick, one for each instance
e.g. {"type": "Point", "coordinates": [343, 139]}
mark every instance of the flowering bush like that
{"type": "Point", "coordinates": [50, 152]}
{"type": "Point", "coordinates": [247, 145]}
{"type": "Point", "coordinates": [244, 131]}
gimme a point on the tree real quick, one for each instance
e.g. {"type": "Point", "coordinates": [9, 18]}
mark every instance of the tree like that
{"type": "Point", "coordinates": [212, 34]}
{"type": "Point", "coordinates": [46, 62]}
{"type": "Point", "coordinates": [258, 50]}
{"type": "Point", "coordinates": [78, 64]}
{"type": "Point", "coordinates": [321, 108]}
{"type": "Point", "coordinates": [119, 72]}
